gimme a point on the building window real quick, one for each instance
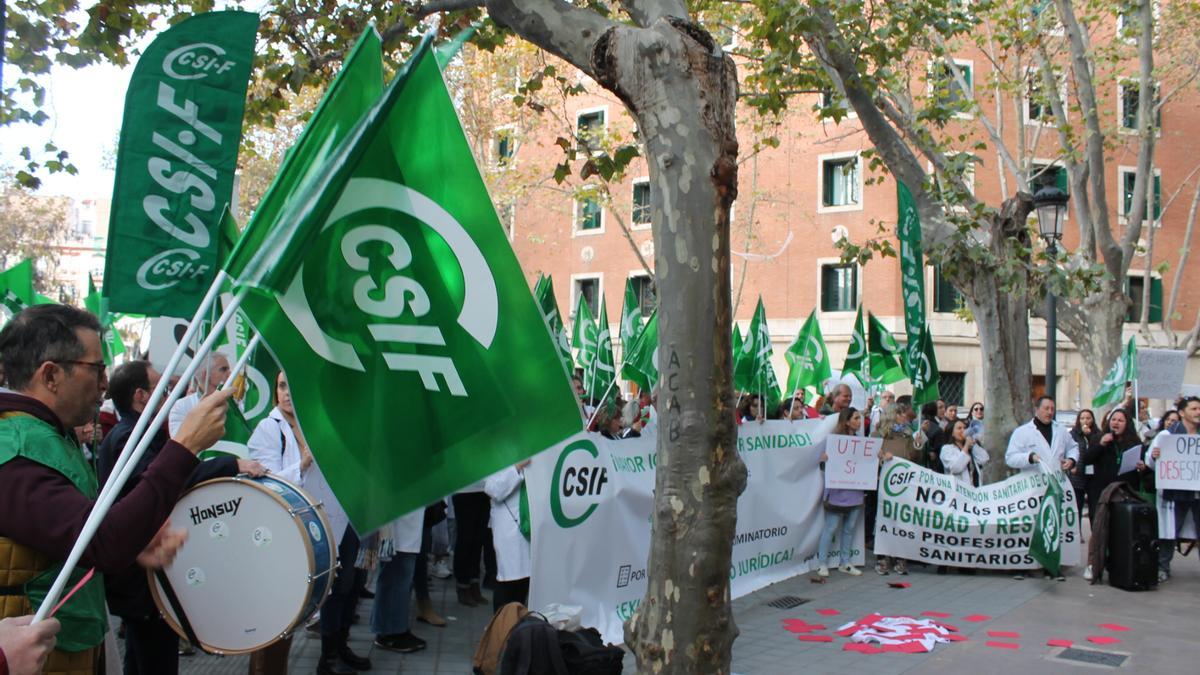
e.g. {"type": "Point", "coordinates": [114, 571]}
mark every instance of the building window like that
{"type": "Point", "coordinates": [952, 387]}
{"type": "Point", "coordinates": [590, 127]}
{"type": "Point", "coordinates": [1042, 173]}
{"type": "Point", "coordinates": [1128, 97]}
{"type": "Point", "coordinates": [504, 146]}
{"type": "Point", "coordinates": [641, 202]}
{"type": "Point", "coordinates": [1135, 287]}
{"type": "Point", "coordinates": [589, 289]}
{"type": "Point", "coordinates": [643, 288]}
{"type": "Point", "coordinates": [508, 217]}
{"type": "Point", "coordinates": [1037, 105]}
{"type": "Point", "coordinates": [839, 288]}
{"type": "Point", "coordinates": [1128, 177]}
{"type": "Point", "coordinates": [841, 182]}
{"type": "Point", "coordinates": [946, 88]}
{"type": "Point", "coordinates": [946, 297]}
{"type": "Point", "coordinates": [589, 213]}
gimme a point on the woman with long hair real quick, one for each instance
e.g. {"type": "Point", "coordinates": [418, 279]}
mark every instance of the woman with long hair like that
{"type": "Point", "coordinates": [1119, 435]}
{"type": "Point", "coordinates": [750, 409]}
{"type": "Point", "coordinates": [963, 456]}
{"type": "Point", "coordinates": [842, 507]}
{"type": "Point", "coordinates": [1086, 434]}
{"type": "Point", "coordinates": [975, 420]}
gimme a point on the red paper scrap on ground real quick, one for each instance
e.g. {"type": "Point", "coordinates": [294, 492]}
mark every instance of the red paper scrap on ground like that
{"type": "Point", "coordinates": [815, 638]}
{"type": "Point", "coordinates": [801, 626]}
{"type": "Point", "coordinates": [956, 637]}
{"type": "Point", "coordinates": [1002, 645]}
{"type": "Point", "coordinates": [1003, 634]}
{"type": "Point", "coordinates": [977, 618]}
{"type": "Point", "coordinates": [1113, 626]}
{"type": "Point", "coordinates": [1059, 643]}
{"type": "Point", "coordinates": [937, 615]}
{"type": "Point", "coordinates": [828, 612]}
{"type": "Point", "coordinates": [899, 584]}
{"type": "Point", "coordinates": [905, 648]}
{"type": "Point", "coordinates": [948, 626]}
{"type": "Point", "coordinates": [1102, 640]}
{"type": "Point", "coordinates": [862, 648]}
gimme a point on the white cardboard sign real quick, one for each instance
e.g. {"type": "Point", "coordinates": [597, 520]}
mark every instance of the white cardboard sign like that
{"type": "Point", "coordinates": [853, 462]}
{"type": "Point", "coordinates": [1178, 463]}
{"type": "Point", "coordinates": [1160, 372]}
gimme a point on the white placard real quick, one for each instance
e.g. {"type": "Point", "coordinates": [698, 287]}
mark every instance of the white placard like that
{"type": "Point", "coordinates": [853, 462]}
{"type": "Point", "coordinates": [1178, 463]}
{"type": "Point", "coordinates": [1160, 372]}
{"type": "Point", "coordinates": [1130, 459]}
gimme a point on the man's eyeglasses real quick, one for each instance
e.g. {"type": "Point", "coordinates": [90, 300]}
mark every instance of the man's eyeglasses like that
{"type": "Point", "coordinates": [100, 366]}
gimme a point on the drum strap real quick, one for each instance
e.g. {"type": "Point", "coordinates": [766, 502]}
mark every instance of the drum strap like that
{"type": "Point", "coordinates": [173, 600]}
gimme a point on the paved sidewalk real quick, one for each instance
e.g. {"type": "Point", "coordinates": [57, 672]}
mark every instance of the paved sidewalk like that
{"type": "Point", "coordinates": [1161, 638]}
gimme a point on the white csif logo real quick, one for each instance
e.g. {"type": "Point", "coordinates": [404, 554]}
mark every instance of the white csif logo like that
{"type": "Point", "coordinates": [196, 60]}
{"type": "Point", "coordinates": [479, 313]}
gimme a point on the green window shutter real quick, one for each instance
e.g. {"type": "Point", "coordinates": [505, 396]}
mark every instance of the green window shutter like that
{"type": "Point", "coordinates": [1061, 180]}
{"type": "Point", "coordinates": [1156, 309]}
{"type": "Point", "coordinates": [827, 178]}
{"type": "Point", "coordinates": [1127, 191]}
{"type": "Point", "coordinates": [1157, 196]}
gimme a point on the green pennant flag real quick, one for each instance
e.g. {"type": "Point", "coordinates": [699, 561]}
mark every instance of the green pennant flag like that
{"type": "Point", "coordinates": [603, 370]}
{"type": "Point", "coordinates": [1112, 389]}
{"type": "Point", "coordinates": [237, 436]}
{"type": "Point", "coordinates": [16, 290]}
{"type": "Point", "coordinates": [631, 317]}
{"type": "Point", "coordinates": [1046, 545]}
{"type": "Point", "coordinates": [919, 358]}
{"type": "Point", "coordinates": [111, 344]}
{"type": "Point", "coordinates": [407, 312]}
{"type": "Point", "coordinates": [737, 344]}
{"type": "Point", "coordinates": [808, 358]}
{"type": "Point", "coordinates": [543, 292]}
{"type": "Point", "coordinates": [176, 160]}
{"type": "Point", "coordinates": [584, 338]}
{"type": "Point", "coordinates": [883, 353]}
{"type": "Point", "coordinates": [857, 362]}
{"type": "Point", "coordinates": [923, 371]}
{"type": "Point", "coordinates": [641, 358]}
{"type": "Point", "coordinates": [755, 367]}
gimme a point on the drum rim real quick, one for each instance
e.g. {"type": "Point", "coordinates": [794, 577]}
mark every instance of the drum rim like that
{"type": "Point", "coordinates": [319, 510]}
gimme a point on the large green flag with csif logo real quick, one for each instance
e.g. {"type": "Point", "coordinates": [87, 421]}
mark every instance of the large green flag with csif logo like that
{"type": "Point", "coordinates": [754, 368]}
{"type": "Point", "coordinates": [175, 164]}
{"type": "Point", "coordinates": [1124, 369]}
{"type": "Point", "coordinates": [543, 292]}
{"type": "Point", "coordinates": [631, 316]}
{"type": "Point", "coordinates": [808, 358]}
{"type": "Point", "coordinates": [919, 359]}
{"type": "Point", "coordinates": [413, 352]}
{"type": "Point", "coordinates": [602, 372]}
{"type": "Point", "coordinates": [1046, 543]}
{"type": "Point", "coordinates": [640, 363]}
{"type": "Point", "coordinates": [883, 353]}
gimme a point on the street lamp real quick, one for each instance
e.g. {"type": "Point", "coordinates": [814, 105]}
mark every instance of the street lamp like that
{"type": "Point", "coordinates": [1051, 206]}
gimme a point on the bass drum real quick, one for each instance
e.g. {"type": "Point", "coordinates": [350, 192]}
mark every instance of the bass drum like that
{"type": "Point", "coordinates": [258, 561]}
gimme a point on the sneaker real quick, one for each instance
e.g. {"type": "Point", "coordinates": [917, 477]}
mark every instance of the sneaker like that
{"type": "Point", "coordinates": [402, 642]}
{"type": "Point", "coordinates": [900, 567]}
{"type": "Point", "coordinates": [1087, 573]}
{"type": "Point", "coordinates": [881, 568]}
{"type": "Point", "coordinates": [851, 570]}
{"type": "Point", "coordinates": [441, 569]}
{"type": "Point", "coordinates": [1163, 576]}
{"type": "Point", "coordinates": [822, 571]}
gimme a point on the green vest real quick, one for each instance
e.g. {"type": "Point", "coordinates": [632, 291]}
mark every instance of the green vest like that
{"type": "Point", "coordinates": [84, 617]}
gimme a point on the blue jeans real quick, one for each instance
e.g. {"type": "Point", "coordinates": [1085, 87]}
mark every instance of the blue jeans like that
{"type": "Point", "coordinates": [393, 589]}
{"type": "Point", "coordinates": [833, 521]}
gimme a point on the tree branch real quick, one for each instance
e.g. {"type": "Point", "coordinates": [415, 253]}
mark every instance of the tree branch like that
{"type": "Point", "coordinates": [569, 32]}
{"type": "Point", "coordinates": [1184, 251]}
{"type": "Point", "coordinates": [646, 12]}
{"type": "Point", "coordinates": [434, 6]}
{"type": "Point", "coordinates": [1142, 192]}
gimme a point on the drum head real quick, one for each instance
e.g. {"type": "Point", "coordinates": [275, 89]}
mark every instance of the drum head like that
{"type": "Point", "coordinates": [242, 576]}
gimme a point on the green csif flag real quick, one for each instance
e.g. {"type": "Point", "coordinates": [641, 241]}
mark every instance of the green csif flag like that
{"type": "Point", "coordinates": [631, 316]}
{"type": "Point", "coordinates": [919, 359]}
{"type": "Point", "coordinates": [756, 370]}
{"type": "Point", "coordinates": [641, 358]}
{"type": "Point", "coordinates": [1046, 544]}
{"type": "Point", "coordinates": [738, 346]}
{"type": "Point", "coordinates": [584, 338]}
{"type": "Point", "coordinates": [603, 370]}
{"type": "Point", "coordinates": [111, 343]}
{"type": "Point", "coordinates": [175, 163]}
{"type": "Point", "coordinates": [16, 290]}
{"type": "Point", "coordinates": [407, 312]}
{"type": "Point", "coordinates": [883, 353]}
{"type": "Point", "coordinates": [808, 358]}
{"type": "Point", "coordinates": [857, 358]}
{"type": "Point", "coordinates": [543, 292]}
{"type": "Point", "coordinates": [1112, 389]}
{"type": "Point", "coordinates": [922, 370]}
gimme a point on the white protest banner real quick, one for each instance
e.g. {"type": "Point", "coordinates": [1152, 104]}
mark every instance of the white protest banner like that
{"type": "Point", "coordinates": [931, 517]}
{"type": "Point", "coordinates": [853, 462]}
{"type": "Point", "coordinates": [591, 501]}
{"type": "Point", "coordinates": [1160, 372]}
{"type": "Point", "coordinates": [1178, 463]}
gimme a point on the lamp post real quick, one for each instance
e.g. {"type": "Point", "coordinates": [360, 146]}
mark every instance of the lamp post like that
{"type": "Point", "coordinates": [1051, 206]}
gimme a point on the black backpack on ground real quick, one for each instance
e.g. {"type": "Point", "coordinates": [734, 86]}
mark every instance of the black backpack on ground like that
{"type": "Point", "coordinates": [586, 654]}
{"type": "Point", "coordinates": [534, 647]}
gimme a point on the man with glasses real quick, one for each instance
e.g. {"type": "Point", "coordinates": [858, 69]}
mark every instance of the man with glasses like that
{"type": "Point", "coordinates": [51, 361]}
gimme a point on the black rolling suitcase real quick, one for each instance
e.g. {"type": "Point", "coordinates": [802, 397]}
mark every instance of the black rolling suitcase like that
{"type": "Point", "coordinates": [1133, 546]}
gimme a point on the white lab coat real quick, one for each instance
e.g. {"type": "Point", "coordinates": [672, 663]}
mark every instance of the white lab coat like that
{"type": "Point", "coordinates": [284, 462]}
{"type": "Point", "coordinates": [512, 548]}
{"type": "Point", "coordinates": [956, 461]}
{"type": "Point", "coordinates": [180, 410]}
{"type": "Point", "coordinates": [402, 535]}
{"type": "Point", "coordinates": [1027, 439]}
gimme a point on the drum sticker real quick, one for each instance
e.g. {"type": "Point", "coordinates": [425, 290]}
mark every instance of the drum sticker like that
{"type": "Point", "coordinates": [218, 530]}
{"type": "Point", "coordinates": [261, 536]}
{"type": "Point", "coordinates": [314, 531]}
{"type": "Point", "coordinates": [195, 576]}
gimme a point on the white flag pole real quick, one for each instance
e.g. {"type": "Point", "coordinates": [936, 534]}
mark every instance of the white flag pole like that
{"type": "Point", "coordinates": [600, 403]}
{"type": "Point", "coordinates": [159, 389]}
{"type": "Point", "coordinates": [242, 360]}
{"type": "Point", "coordinates": [117, 481]}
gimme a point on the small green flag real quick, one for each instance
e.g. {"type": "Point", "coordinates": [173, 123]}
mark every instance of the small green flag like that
{"type": "Point", "coordinates": [755, 369]}
{"type": "Point", "coordinates": [1112, 389]}
{"type": "Point", "coordinates": [16, 290]}
{"type": "Point", "coordinates": [1046, 545]}
{"type": "Point", "coordinates": [738, 345]}
{"type": "Point", "coordinates": [603, 370]}
{"type": "Point", "coordinates": [641, 357]}
{"type": "Point", "coordinates": [922, 369]}
{"type": "Point", "coordinates": [237, 436]}
{"type": "Point", "coordinates": [883, 353]}
{"type": "Point", "coordinates": [857, 358]}
{"type": "Point", "coordinates": [111, 343]}
{"type": "Point", "coordinates": [808, 358]}
{"type": "Point", "coordinates": [584, 338]}
{"type": "Point", "coordinates": [631, 317]}
{"type": "Point", "coordinates": [543, 292]}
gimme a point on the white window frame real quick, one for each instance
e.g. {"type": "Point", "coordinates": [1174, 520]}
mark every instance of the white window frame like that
{"type": "Point", "coordinates": [639, 273]}
{"type": "Point", "coordinates": [494, 147]}
{"type": "Point", "coordinates": [590, 111]}
{"type": "Point", "coordinates": [858, 298]}
{"type": "Point", "coordinates": [575, 204]}
{"type": "Point", "coordinates": [1122, 216]}
{"type": "Point", "coordinates": [1120, 25]}
{"type": "Point", "coordinates": [850, 114]}
{"type": "Point", "coordinates": [969, 64]}
{"type": "Point", "coordinates": [833, 156]}
{"type": "Point", "coordinates": [598, 276]}
{"type": "Point", "coordinates": [1026, 101]}
{"type": "Point", "coordinates": [968, 178]}
{"type": "Point", "coordinates": [1121, 128]}
{"type": "Point", "coordinates": [1153, 275]}
{"type": "Point", "coordinates": [634, 225]}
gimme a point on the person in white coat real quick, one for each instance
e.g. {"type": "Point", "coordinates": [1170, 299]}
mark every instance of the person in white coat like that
{"type": "Point", "coordinates": [211, 374]}
{"type": "Point", "coordinates": [513, 564]}
{"type": "Point", "coordinates": [963, 457]}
